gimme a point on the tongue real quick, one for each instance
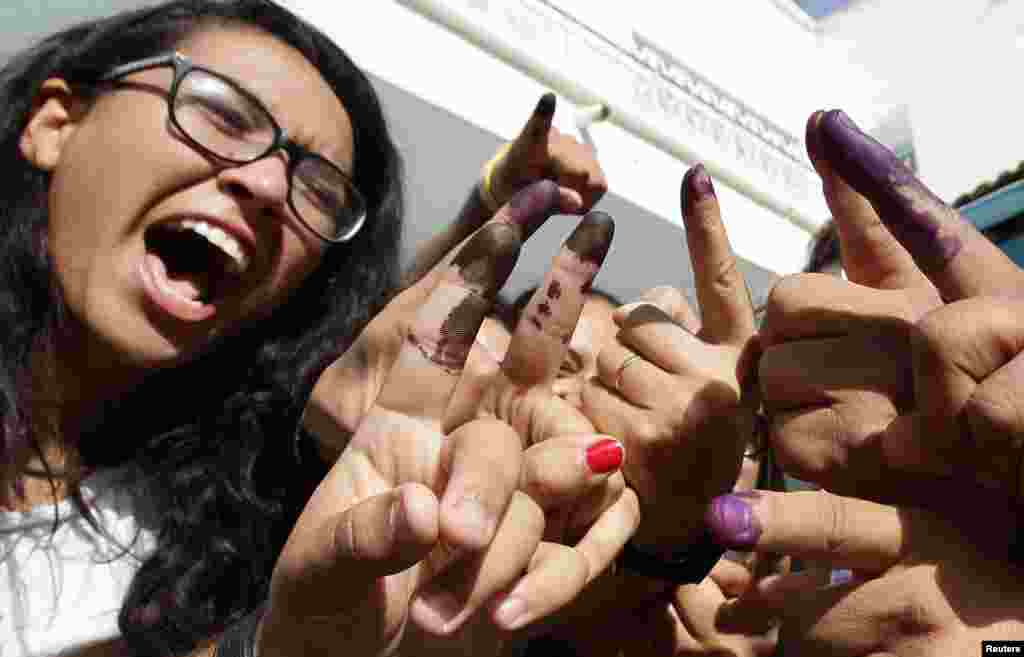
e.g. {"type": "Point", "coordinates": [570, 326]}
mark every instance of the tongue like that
{"type": "Point", "coordinates": [194, 285]}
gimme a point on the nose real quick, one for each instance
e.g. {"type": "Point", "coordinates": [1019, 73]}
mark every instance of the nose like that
{"type": "Point", "coordinates": [262, 184]}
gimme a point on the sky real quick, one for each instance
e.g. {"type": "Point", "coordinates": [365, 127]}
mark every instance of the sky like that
{"type": "Point", "coordinates": [821, 8]}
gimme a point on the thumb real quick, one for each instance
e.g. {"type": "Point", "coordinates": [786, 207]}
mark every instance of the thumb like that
{"type": "Point", "coordinates": [819, 526]}
{"type": "Point", "coordinates": [335, 567]}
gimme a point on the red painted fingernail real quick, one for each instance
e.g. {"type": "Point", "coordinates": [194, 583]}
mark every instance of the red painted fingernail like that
{"type": "Point", "coordinates": [605, 456]}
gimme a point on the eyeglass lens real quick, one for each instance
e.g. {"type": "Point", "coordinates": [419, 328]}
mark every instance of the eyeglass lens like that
{"type": "Point", "coordinates": [220, 118]}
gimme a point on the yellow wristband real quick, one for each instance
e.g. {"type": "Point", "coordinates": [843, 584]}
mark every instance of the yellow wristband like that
{"type": "Point", "coordinates": [486, 185]}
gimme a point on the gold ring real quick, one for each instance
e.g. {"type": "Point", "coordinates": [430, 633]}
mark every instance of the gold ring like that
{"type": "Point", "coordinates": [630, 359]}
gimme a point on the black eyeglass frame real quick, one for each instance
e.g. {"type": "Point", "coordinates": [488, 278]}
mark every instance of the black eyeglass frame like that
{"type": "Point", "coordinates": [182, 66]}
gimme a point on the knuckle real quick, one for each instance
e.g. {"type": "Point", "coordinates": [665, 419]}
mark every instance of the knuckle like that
{"type": "Point", "coordinates": [726, 277]}
{"type": "Point", "coordinates": [785, 299]}
{"type": "Point", "coordinates": [995, 410]}
{"type": "Point", "coordinates": [834, 517]}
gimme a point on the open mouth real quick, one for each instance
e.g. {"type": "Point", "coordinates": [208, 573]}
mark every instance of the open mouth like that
{"type": "Point", "coordinates": [191, 265]}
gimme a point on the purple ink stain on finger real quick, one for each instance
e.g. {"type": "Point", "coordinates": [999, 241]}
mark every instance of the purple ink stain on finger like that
{"type": "Point", "coordinates": [488, 259]}
{"type": "Point", "coordinates": [457, 333]}
{"type": "Point", "coordinates": [592, 238]}
{"type": "Point", "coordinates": [811, 138]}
{"type": "Point", "coordinates": [733, 523]}
{"type": "Point", "coordinates": [696, 186]}
{"type": "Point", "coordinates": [544, 309]}
{"type": "Point", "coordinates": [536, 322]}
{"type": "Point", "coordinates": [546, 106]}
{"type": "Point", "coordinates": [554, 290]}
{"type": "Point", "coordinates": [533, 205]}
{"type": "Point", "coordinates": [916, 217]}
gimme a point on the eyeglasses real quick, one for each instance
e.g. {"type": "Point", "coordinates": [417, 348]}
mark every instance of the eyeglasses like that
{"type": "Point", "coordinates": [220, 118]}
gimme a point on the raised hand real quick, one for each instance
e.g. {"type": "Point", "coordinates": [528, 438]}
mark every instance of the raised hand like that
{"type": "Point", "coordinates": [968, 418]}
{"type": "Point", "coordinates": [541, 152]}
{"type": "Point", "coordinates": [348, 387]}
{"type": "Point", "coordinates": [405, 501]}
{"type": "Point", "coordinates": [837, 370]}
{"type": "Point", "coordinates": [673, 389]}
{"type": "Point", "coordinates": [922, 586]}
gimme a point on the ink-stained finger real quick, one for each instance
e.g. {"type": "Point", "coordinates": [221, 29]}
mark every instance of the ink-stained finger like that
{"type": "Point", "coordinates": [949, 250]}
{"type": "Point", "coordinates": [727, 315]}
{"type": "Point", "coordinates": [842, 531]}
{"type": "Point", "coordinates": [870, 254]}
{"type": "Point", "coordinates": [525, 212]}
{"type": "Point", "coordinates": [535, 133]}
{"type": "Point", "coordinates": [541, 338]}
{"type": "Point", "coordinates": [436, 347]}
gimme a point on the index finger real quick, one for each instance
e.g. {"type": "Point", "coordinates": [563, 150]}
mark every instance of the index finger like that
{"type": "Point", "coordinates": [535, 132]}
{"type": "Point", "coordinates": [541, 337]}
{"type": "Point", "coordinates": [870, 255]}
{"type": "Point", "coordinates": [727, 315]}
{"type": "Point", "coordinates": [814, 525]}
{"type": "Point", "coordinates": [435, 349]}
{"type": "Point", "coordinates": [949, 250]}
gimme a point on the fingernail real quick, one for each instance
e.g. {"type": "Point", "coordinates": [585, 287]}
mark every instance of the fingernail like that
{"type": "Point", "coordinates": [811, 138]}
{"type": "Point", "coordinates": [531, 206]}
{"type": "Point", "coordinates": [605, 456]}
{"type": "Point", "coordinates": [859, 158]}
{"type": "Point", "coordinates": [436, 610]}
{"type": "Point", "coordinates": [509, 611]}
{"type": "Point", "coordinates": [592, 237]}
{"type": "Point", "coordinates": [546, 105]}
{"type": "Point", "coordinates": [732, 521]}
{"type": "Point", "coordinates": [696, 186]}
{"type": "Point", "coordinates": [489, 258]}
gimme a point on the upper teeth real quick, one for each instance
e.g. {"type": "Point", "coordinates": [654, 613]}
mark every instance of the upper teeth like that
{"type": "Point", "coordinates": [222, 240]}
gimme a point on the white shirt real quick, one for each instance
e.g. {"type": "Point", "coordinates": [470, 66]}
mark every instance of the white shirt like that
{"type": "Point", "coordinates": [62, 590]}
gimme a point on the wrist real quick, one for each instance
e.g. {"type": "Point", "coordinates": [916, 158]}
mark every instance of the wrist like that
{"type": "Point", "coordinates": [489, 188]}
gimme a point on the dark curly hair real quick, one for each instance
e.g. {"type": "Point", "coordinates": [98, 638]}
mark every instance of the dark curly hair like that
{"type": "Point", "coordinates": [215, 441]}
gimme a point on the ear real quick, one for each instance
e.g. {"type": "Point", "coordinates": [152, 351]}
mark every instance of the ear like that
{"type": "Point", "coordinates": [54, 119]}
